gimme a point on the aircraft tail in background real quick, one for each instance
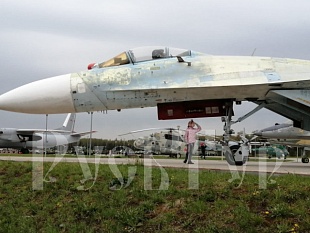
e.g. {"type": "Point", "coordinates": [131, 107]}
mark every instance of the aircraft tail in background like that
{"type": "Point", "coordinates": [68, 124]}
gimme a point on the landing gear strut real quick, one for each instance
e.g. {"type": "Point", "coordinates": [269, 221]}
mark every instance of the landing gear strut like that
{"type": "Point", "coordinates": [236, 154]}
{"type": "Point", "coordinates": [305, 158]}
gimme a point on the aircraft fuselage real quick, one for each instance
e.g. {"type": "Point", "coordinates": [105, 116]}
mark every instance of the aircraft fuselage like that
{"type": "Point", "coordinates": [166, 80]}
{"type": "Point", "coordinates": [47, 141]}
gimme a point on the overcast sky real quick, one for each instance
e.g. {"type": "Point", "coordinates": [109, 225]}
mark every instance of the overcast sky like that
{"type": "Point", "coordinates": [41, 39]}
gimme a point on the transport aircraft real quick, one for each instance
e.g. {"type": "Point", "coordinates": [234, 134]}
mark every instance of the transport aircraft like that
{"type": "Point", "coordinates": [25, 139]}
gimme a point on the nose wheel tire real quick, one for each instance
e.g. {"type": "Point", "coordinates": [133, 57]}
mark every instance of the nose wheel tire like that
{"type": "Point", "coordinates": [230, 156]}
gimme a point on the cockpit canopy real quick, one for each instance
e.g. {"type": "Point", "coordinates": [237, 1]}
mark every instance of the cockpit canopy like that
{"type": "Point", "coordinates": [142, 54]}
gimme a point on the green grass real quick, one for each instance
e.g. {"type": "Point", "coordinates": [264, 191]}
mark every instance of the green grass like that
{"type": "Point", "coordinates": [217, 206]}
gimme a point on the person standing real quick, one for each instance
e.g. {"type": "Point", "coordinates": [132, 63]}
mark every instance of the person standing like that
{"type": "Point", "coordinates": [190, 139]}
{"type": "Point", "coordinates": [203, 150]}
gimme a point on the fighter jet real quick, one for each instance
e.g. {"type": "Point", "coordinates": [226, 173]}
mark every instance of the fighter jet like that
{"type": "Point", "coordinates": [283, 131]}
{"type": "Point", "coordinates": [287, 134]}
{"type": "Point", "coordinates": [25, 139]}
{"type": "Point", "coordinates": [181, 83]}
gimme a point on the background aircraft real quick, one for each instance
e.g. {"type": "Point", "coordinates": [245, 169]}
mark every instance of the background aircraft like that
{"type": "Point", "coordinates": [25, 139]}
{"type": "Point", "coordinates": [270, 151]}
{"type": "Point", "coordinates": [167, 141]}
{"type": "Point", "coordinates": [170, 141]}
{"type": "Point", "coordinates": [283, 131]}
{"type": "Point", "coordinates": [287, 134]}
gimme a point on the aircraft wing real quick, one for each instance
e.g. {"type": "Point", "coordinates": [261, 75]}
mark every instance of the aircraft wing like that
{"type": "Point", "coordinates": [32, 131]}
{"type": "Point", "coordinates": [82, 134]}
{"type": "Point", "coordinates": [290, 142]}
{"type": "Point", "coordinates": [276, 127]}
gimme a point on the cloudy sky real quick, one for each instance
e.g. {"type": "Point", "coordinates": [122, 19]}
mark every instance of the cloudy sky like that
{"type": "Point", "coordinates": [41, 39]}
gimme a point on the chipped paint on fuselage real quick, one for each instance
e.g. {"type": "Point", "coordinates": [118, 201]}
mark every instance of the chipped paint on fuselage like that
{"type": "Point", "coordinates": [144, 84]}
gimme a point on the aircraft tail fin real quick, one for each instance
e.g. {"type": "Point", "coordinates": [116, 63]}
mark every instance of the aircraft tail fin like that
{"type": "Point", "coordinates": [68, 124]}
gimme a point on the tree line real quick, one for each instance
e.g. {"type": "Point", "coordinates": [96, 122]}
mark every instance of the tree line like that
{"type": "Point", "coordinates": [107, 144]}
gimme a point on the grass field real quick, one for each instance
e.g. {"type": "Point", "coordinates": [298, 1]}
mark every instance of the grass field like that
{"type": "Point", "coordinates": [106, 206]}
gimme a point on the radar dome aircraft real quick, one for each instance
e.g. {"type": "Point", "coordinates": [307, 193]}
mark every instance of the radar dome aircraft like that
{"type": "Point", "coordinates": [180, 83]}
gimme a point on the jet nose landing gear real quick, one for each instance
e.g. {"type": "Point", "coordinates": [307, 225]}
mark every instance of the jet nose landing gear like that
{"type": "Point", "coordinates": [234, 154]}
{"type": "Point", "coordinates": [237, 154]}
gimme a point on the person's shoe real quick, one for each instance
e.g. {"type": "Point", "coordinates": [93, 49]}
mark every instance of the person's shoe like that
{"type": "Point", "coordinates": [184, 161]}
{"type": "Point", "coordinates": [190, 163]}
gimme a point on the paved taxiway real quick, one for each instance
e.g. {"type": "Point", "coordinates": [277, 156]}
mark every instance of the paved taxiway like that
{"type": "Point", "coordinates": [261, 166]}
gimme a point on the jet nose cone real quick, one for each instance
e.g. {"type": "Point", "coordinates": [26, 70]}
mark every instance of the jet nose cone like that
{"type": "Point", "coordinates": [47, 96]}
